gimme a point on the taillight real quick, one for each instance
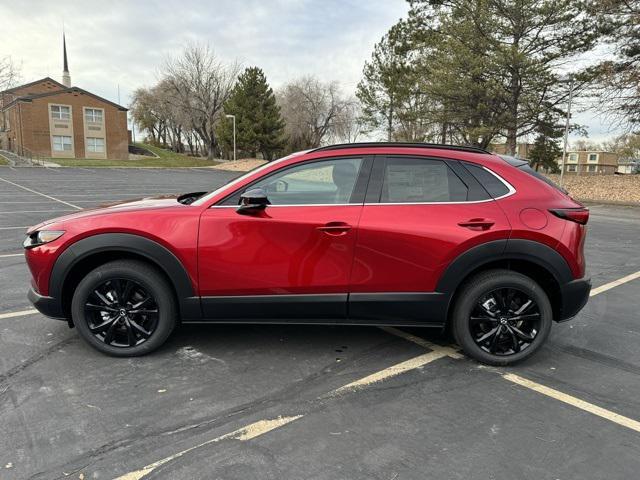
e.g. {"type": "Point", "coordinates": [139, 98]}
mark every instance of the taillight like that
{"type": "Point", "coordinates": [578, 215]}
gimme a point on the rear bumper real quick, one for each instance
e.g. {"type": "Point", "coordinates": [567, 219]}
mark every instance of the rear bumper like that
{"type": "Point", "coordinates": [574, 296]}
{"type": "Point", "coordinates": [48, 306]}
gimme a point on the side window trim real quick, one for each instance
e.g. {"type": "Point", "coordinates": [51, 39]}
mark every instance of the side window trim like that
{"type": "Point", "coordinates": [374, 192]}
{"type": "Point", "coordinates": [357, 196]}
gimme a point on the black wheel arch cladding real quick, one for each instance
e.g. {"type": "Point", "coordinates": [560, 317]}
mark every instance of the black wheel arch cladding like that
{"type": "Point", "coordinates": [146, 248]}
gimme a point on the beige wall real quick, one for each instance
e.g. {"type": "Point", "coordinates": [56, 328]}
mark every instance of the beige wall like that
{"type": "Point", "coordinates": [61, 127]}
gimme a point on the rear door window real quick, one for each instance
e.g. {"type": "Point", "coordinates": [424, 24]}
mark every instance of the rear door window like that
{"type": "Point", "coordinates": [420, 180]}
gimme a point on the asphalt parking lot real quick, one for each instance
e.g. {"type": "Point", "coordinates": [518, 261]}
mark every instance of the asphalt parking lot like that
{"type": "Point", "coordinates": [275, 402]}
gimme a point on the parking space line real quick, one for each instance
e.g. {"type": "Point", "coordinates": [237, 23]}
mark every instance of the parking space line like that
{"type": "Point", "coordinates": [18, 314]}
{"type": "Point", "coordinates": [392, 371]}
{"type": "Point", "coordinates": [37, 211]}
{"type": "Point", "coordinates": [243, 434]}
{"type": "Point", "coordinates": [7, 255]}
{"type": "Point", "coordinates": [451, 351]}
{"type": "Point", "coordinates": [615, 283]}
{"type": "Point", "coordinates": [42, 194]}
{"type": "Point", "coordinates": [576, 402]}
{"type": "Point", "coordinates": [13, 228]}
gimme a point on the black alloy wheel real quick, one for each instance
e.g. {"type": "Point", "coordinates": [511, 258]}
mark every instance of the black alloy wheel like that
{"type": "Point", "coordinates": [505, 321]}
{"type": "Point", "coordinates": [125, 308]}
{"type": "Point", "coordinates": [501, 317]}
{"type": "Point", "coordinates": [121, 313]}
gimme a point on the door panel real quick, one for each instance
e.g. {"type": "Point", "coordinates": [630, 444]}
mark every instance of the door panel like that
{"type": "Point", "coordinates": [426, 220]}
{"type": "Point", "coordinates": [405, 248]}
{"type": "Point", "coordinates": [279, 251]}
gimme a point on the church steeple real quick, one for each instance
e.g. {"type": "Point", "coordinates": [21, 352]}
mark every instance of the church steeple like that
{"type": "Point", "coordinates": [66, 78]}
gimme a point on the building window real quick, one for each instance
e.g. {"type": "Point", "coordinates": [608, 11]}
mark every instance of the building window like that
{"type": "Point", "coordinates": [60, 112]}
{"type": "Point", "coordinates": [593, 157]}
{"type": "Point", "coordinates": [573, 158]}
{"type": "Point", "coordinates": [61, 143]}
{"type": "Point", "coordinates": [93, 115]}
{"type": "Point", "coordinates": [95, 145]}
{"type": "Point", "coordinates": [592, 168]}
{"type": "Point", "coordinates": [572, 168]}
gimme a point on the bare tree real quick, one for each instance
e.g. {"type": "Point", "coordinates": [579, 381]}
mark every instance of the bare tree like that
{"type": "Point", "coordinates": [349, 124]}
{"type": "Point", "coordinates": [199, 84]}
{"type": "Point", "coordinates": [9, 73]}
{"type": "Point", "coordinates": [311, 110]}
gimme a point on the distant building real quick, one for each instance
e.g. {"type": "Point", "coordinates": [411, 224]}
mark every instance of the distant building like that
{"type": "Point", "coordinates": [628, 165]}
{"type": "Point", "coordinates": [57, 120]}
{"type": "Point", "coordinates": [522, 149]}
{"type": "Point", "coordinates": [590, 162]}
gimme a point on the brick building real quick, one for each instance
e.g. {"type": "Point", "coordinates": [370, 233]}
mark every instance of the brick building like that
{"type": "Point", "coordinates": [56, 120]}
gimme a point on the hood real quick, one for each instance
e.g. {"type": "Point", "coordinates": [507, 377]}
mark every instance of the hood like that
{"type": "Point", "coordinates": [146, 203]}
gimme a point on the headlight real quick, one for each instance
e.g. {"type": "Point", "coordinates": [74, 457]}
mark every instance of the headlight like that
{"type": "Point", "coordinates": [41, 237]}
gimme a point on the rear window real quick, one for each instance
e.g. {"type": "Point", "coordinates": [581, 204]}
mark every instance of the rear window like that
{"type": "Point", "coordinates": [524, 166]}
{"type": "Point", "coordinates": [489, 181]}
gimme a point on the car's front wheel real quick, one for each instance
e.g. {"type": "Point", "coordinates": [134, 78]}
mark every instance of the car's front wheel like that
{"type": "Point", "coordinates": [124, 308]}
{"type": "Point", "coordinates": [501, 317]}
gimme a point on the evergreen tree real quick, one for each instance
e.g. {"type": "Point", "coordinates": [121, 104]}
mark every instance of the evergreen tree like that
{"type": "Point", "coordinates": [546, 149]}
{"type": "Point", "coordinates": [259, 125]}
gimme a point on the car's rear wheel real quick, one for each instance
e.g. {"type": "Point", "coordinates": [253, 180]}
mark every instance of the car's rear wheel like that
{"type": "Point", "coordinates": [501, 317]}
{"type": "Point", "coordinates": [124, 308]}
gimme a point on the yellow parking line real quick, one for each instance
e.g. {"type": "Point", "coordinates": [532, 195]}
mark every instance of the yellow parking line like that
{"type": "Point", "coordinates": [243, 434]}
{"type": "Point", "coordinates": [615, 283]}
{"type": "Point", "coordinates": [576, 402]}
{"type": "Point", "coordinates": [450, 351]}
{"type": "Point", "coordinates": [18, 314]}
{"type": "Point", "coordinates": [392, 371]}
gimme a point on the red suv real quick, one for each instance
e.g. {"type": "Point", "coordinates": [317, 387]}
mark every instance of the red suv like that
{"type": "Point", "coordinates": [358, 234]}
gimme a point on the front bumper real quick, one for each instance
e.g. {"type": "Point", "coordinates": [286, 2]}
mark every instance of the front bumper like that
{"type": "Point", "coordinates": [574, 296]}
{"type": "Point", "coordinates": [48, 306]}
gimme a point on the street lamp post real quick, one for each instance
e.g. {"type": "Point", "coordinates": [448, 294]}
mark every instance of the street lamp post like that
{"type": "Point", "coordinates": [234, 135]}
{"type": "Point", "coordinates": [566, 133]}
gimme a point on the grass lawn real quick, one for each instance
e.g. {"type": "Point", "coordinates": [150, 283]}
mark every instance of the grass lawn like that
{"type": "Point", "coordinates": [166, 158]}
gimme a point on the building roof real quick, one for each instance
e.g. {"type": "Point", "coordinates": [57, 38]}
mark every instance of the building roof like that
{"type": "Point", "coordinates": [28, 98]}
{"type": "Point", "coordinates": [45, 79]}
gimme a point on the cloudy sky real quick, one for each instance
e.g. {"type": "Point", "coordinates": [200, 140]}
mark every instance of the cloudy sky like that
{"type": "Point", "coordinates": [114, 43]}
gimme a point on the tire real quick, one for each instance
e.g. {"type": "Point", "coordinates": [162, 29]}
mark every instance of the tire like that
{"type": "Point", "coordinates": [135, 326]}
{"type": "Point", "coordinates": [492, 321]}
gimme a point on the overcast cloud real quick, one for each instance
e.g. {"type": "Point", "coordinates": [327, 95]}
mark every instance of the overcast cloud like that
{"type": "Point", "coordinates": [124, 43]}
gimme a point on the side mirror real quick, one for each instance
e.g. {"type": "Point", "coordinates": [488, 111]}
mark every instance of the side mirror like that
{"type": "Point", "coordinates": [252, 201]}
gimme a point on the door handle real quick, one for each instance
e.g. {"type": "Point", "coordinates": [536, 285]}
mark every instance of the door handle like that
{"type": "Point", "coordinates": [478, 224]}
{"type": "Point", "coordinates": [335, 228]}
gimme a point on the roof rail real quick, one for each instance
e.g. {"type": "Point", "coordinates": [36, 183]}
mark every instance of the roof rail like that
{"type": "Point", "coordinates": [459, 148]}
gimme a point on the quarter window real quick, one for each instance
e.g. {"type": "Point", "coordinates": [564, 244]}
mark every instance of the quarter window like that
{"type": "Point", "coordinates": [415, 180]}
{"type": "Point", "coordinates": [95, 145]}
{"type": "Point", "coordinates": [489, 181]}
{"type": "Point", "coordinates": [324, 182]}
{"type": "Point", "coordinates": [60, 112]}
{"type": "Point", "coordinates": [61, 143]}
{"type": "Point", "coordinates": [93, 115]}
